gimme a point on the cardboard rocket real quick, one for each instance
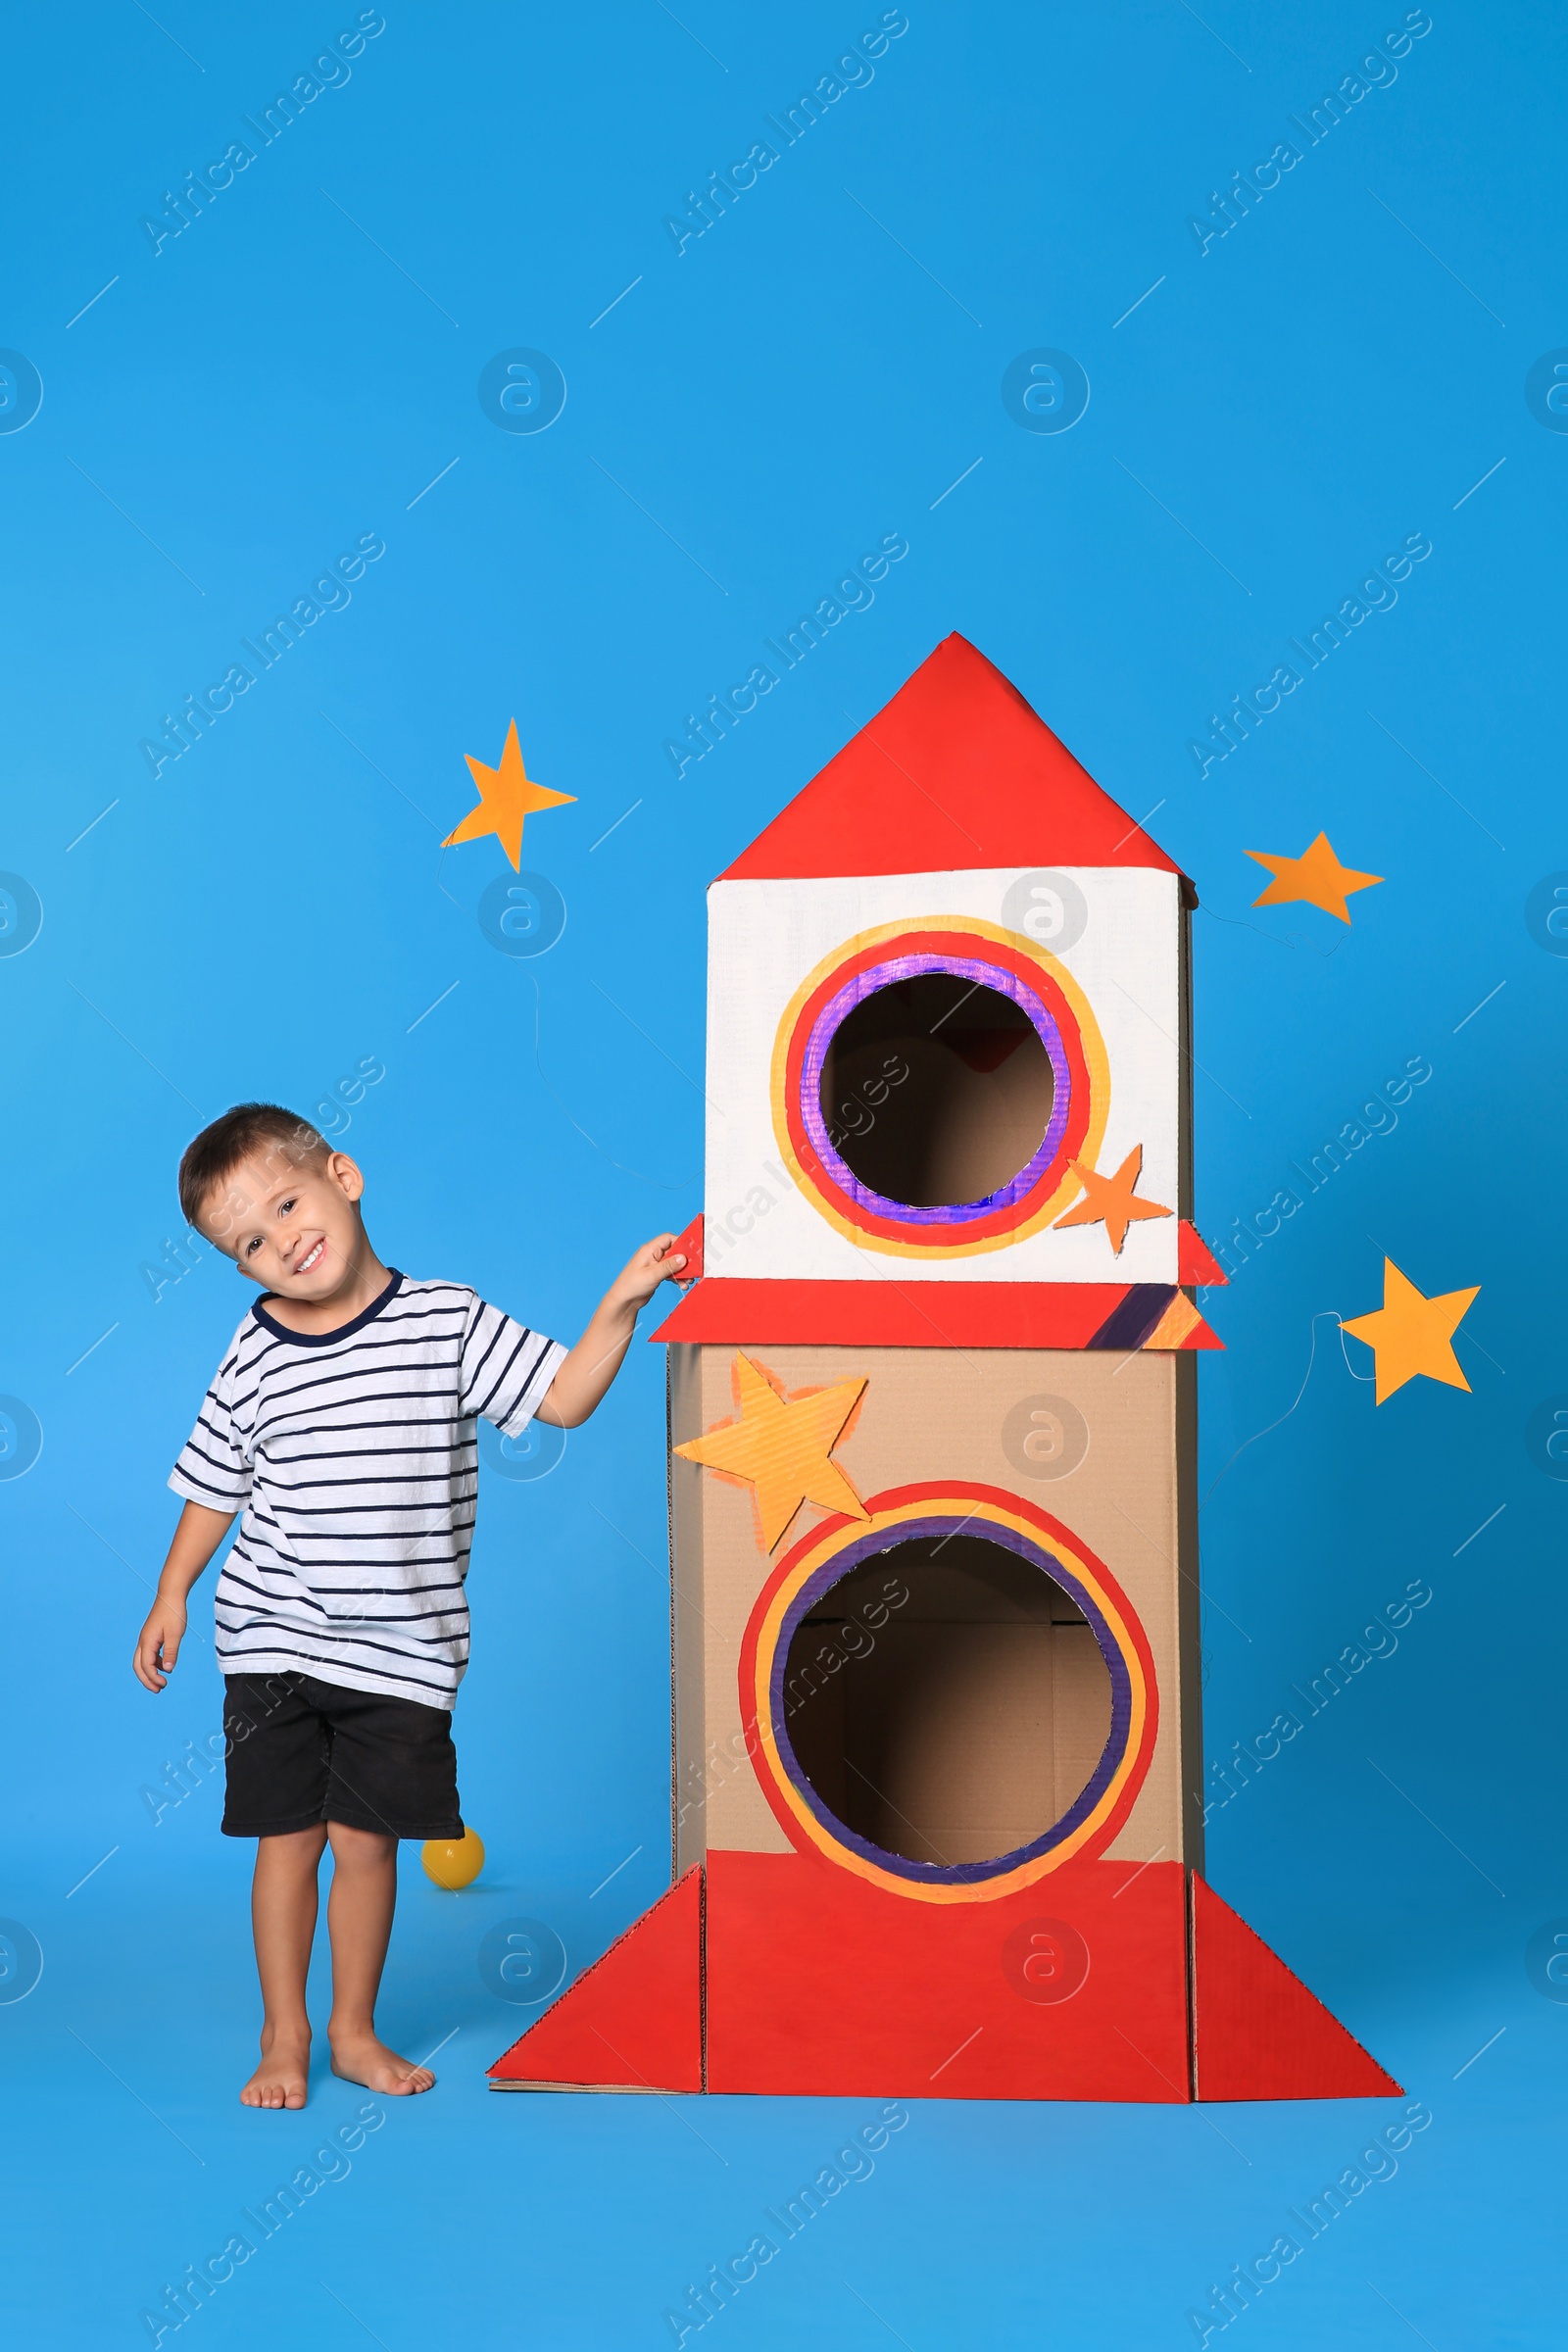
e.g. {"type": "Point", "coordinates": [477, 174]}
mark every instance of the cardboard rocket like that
{"type": "Point", "coordinates": [937, 1822]}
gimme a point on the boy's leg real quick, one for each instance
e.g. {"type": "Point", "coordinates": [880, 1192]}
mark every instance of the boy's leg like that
{"type": "Point", "coordinates": [283, 1905]}
{"type": "Point", "coordinates": [359, 1918]}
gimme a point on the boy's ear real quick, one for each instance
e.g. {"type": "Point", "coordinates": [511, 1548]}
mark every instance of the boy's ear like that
{"type": "Point", "coordinates": [347, 1175]}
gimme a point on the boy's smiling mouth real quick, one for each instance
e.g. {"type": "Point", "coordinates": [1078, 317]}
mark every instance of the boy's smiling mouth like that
{"type": "Point", "coordinates": [311, 1259]}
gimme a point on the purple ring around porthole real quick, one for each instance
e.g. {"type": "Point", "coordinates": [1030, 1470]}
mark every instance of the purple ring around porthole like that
{"type": "Point", "coordinates": [1004, 983]}
{"type": "Point", "coordinates": [956, 1873]}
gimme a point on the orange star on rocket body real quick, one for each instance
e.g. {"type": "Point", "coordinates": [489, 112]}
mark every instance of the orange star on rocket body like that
{"type": "Point", "coordinates": [781, 1447]}
{"type": "Point", "coordinates": [1317, 877]}
{"type": "Point", "coordinates": [1409, 1334]}
{"type": "Point", "coordinates": [1109, 1199]}
{"type": "Point", "coordinates": [507, 795]}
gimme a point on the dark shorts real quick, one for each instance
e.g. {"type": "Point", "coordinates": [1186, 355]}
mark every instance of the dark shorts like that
{"type": "Point", "coordinates": [302, 1751]}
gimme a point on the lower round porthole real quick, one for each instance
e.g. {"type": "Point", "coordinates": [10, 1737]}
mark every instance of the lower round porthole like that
{"type": "Point", "coordinates": [954, 1701]}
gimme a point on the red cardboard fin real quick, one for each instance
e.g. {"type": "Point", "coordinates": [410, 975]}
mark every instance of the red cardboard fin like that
{"type": "Point", "coordinates": [1196, 1263]}
{"type": "Point", "coordinates": [631, 2022]}
{"type": "Point", "coordinates": [1257, 2032]}
{"type": "Point", "coordinates": [689, 1245]}
{"type": "Point", "coordinates": [1182, 1326]}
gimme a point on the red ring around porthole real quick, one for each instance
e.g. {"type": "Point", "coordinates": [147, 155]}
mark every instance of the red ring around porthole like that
{"type": "Point", "coordinates": [1013, 974]}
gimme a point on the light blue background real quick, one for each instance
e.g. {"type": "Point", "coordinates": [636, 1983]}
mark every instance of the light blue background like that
{"type": "Point", "coordinates": [754, 414]}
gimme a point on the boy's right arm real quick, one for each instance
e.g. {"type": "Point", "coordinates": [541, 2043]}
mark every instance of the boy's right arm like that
{"type": "Point", "coordinates": [197, 1537]}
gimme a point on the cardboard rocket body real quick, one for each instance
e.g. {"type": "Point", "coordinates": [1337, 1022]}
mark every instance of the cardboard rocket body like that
{"type": "Point", "coordinates": [936, 1814]}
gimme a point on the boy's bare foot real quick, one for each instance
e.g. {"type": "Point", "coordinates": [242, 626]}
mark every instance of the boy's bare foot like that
{"type": "Point", "coordinates": [283, 2078]}
{"type": "Point", "coordinates": [362, 2058]}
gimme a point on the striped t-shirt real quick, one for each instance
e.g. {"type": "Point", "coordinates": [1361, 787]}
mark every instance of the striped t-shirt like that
{"type": "Point", "coordinates": [353, 1456]}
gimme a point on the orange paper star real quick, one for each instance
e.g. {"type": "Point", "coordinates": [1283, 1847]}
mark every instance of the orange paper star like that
{"type": "Point", "coordinates": [507, 795]}
{"type": "Point", "coordinates": [1409, 1334]}
{"type": "Point", "coordinates": [1109, 1199]}
{"type": "Point", "coordinates": [1316, 876]}
{"type": "Point", "coordinates": [781, 1447]}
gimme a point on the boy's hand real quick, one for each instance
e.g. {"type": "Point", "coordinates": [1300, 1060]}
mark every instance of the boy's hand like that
{"type": "Point", "coordinates": [157, 1645]}
{"type": "Point", "coordinates": [593, 1363]}
{"type": "Point", "coordinates": [654, 1262]}
{"type": "Point", "coordinates": [197, 1537]}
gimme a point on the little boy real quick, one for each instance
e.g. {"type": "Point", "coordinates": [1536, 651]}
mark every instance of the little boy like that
{"type": "Point", "coordinates": [342, 1422]}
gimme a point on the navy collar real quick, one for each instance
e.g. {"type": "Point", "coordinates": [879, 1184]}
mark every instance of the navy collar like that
{"type": "Point", "coordinates": [325, 1338]}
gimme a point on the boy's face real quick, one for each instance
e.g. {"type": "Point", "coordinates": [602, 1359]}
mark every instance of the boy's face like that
{"type": "Point", "coordinates": [292, 1225]}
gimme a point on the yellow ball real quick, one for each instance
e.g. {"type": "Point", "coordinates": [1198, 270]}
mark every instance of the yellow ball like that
{"type": "Point", "coordinates": [454, 1862]}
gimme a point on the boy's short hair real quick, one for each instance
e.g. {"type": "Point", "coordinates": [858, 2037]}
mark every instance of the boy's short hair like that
{"type": "Point", "coordinates": [248, 1130]}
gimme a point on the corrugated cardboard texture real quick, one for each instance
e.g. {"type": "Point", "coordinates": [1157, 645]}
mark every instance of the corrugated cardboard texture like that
{"type": "Point", "coordinates": [930, 1416]}
{"type": "Point", "coordinates": [700, 1769]}
{"type": "Point", "coordinates": [1189, 1636]}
